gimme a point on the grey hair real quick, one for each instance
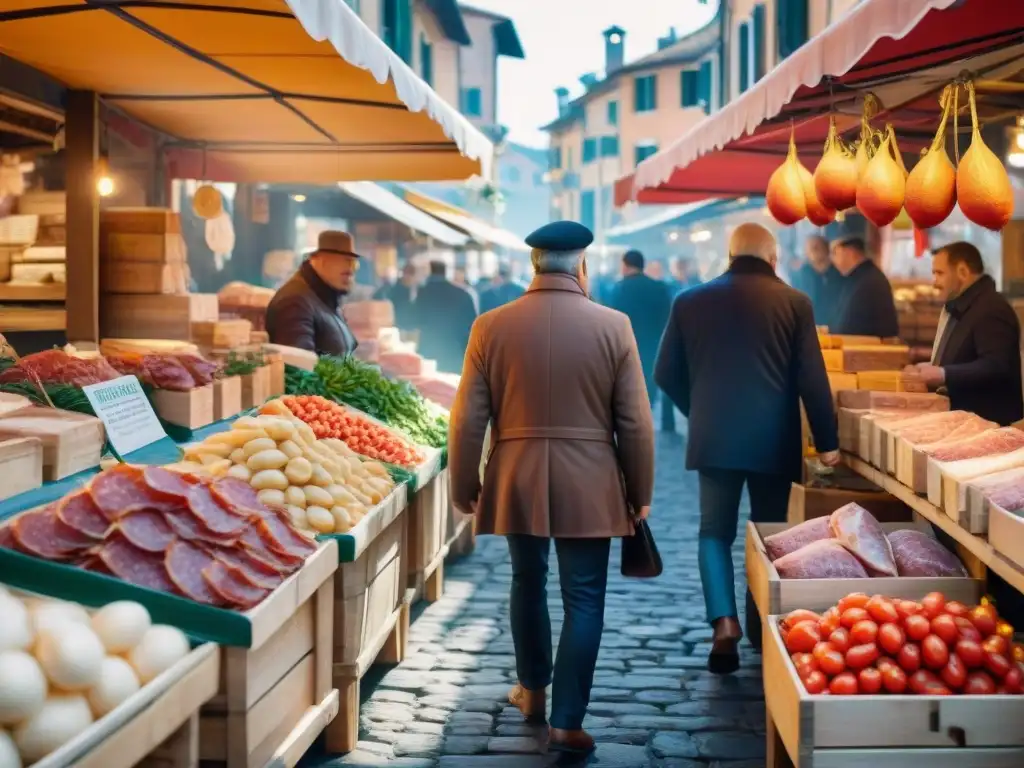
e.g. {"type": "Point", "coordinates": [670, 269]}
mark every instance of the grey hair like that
{"type": "Point", "coordinates": [564, 262]}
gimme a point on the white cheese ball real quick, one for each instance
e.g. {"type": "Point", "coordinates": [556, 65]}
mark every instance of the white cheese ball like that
{"type": "Point", "coordinates": [22, 687]}
{"type": "Point", "coordinates": [121, 625]}
{"type": "Point", "coordinates": [9, 757]}
{"type": "Point", "coordinates": [61, 719]}
{"type": "Point", "coordinates": [16, 632]}
{"type": "Point", "coordinates": [117, 683]}
{"type": "Point", "coordinates": [52, 614]}
{"type": "Point", "coordinates": [71, 656]}
{"type": "Point", "coordinates": [160, 649]}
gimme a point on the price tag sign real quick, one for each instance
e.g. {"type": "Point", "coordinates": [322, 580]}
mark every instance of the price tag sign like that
{"type": "Point", "coordinates": [126, 412]}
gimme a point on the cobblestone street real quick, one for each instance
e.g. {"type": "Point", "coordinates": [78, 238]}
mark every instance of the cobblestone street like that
{"type": "Point", "coordinates": [653, 702]}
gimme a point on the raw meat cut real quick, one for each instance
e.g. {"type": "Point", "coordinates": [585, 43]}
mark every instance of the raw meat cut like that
{"type": "Point", "coordinates": [202, 370]}
{"type": "Point", "coordinates": [185, 563]}
{"type": "Point", "coordinates": [41, 533]}
{"type": "Point", "coordinates": [228, 584]}
{"type": "Point", "coordinates": [991, 443]}
{"type": "Point", "coordinates": [54, 366]}
{"type": "Point", "coordinates": [129, 563]}
{"type": "Point", "coordinates": [159, 371]}
{"type": "Point", "coordinates": [825, 559]}
{"type": "Point", "coordinates": [934, 426]}
{"type": "Point", "coordinates": [857, 530]}
{"type": "Point", "coordinates": [7, 538]}
{"type": "Point", "coordinates": [918, 554]}
{"type": "Point", "coordinates": [967, 429]}
{"type": "Point", "coordinates": [147, 529]}
{"type": "Point", "coordinates": [782, 543]}
{"type": "Point", "coordinates": [1004, 489]}
{"type": "Point", "coordinates": [79, 512]}
{"type": "Point", "coordinates": [212, 514]}
{"type": "Point", "coordinates": [895, 401]}
{"type": "Point", "coordinates": [400, 364]}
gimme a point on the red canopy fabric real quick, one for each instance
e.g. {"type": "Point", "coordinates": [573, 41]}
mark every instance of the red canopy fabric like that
{"type": "Point", "coordinates": [904, 52]}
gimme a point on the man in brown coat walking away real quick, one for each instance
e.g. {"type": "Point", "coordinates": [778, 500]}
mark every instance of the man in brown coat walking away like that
{"type": "Point", "coordinates": [571, 459]}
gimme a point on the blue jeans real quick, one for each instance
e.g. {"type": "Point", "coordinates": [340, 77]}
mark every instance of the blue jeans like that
{"type": "Point", "coordinates": [583, 574]}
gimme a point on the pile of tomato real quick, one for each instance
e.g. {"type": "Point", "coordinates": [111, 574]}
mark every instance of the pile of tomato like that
{"type": "Point", "coordinates": [327, 419]}
{"type": "Point", "coordinates": [874, 645]}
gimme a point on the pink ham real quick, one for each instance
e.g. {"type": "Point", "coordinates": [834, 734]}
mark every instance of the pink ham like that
{"type": "Point", "coordinates": [857, 530]}
{"type": "Point", "coordinates": [824, 559]}
{"type": "Point", "coordinates": [918, 554]}
{"type": "Point", "coordinates": [790, 540]}
{"type": "Point", "coordinates": [968, 429]}
{"type": "Point", "coordinates": [933, 426]}
{"type": "Point", "coordinates": [994, 442]}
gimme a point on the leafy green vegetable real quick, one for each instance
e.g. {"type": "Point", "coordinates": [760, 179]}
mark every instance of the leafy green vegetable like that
{"type": "Point", "coordinates": [298, 381]}
{"type": "Point", "coordinates": [64, 396]}
{"type": "Point", "coordinates": [242, 364]}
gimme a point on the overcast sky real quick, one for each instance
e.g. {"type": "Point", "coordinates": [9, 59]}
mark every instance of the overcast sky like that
{"type": "Point", "coordinates": [562, 40]}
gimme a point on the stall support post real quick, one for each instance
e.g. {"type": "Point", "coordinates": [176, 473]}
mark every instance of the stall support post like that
{"type": "Point", "coordinates": [82, 145]}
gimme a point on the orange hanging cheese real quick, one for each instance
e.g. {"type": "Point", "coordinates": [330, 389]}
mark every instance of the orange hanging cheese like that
{"type": "Point", "coordinates": [817, 212]}
{"type": "Point", "coordinates": [983, 187]}
{"type": "Point", "coordinates": [881, 188]}
{"type": "Point", "coordinates": [785, 192]}
{"type": "Point", "coordinates": [931, 186]}
{"type": "Point", "coordinates": [835, 178]}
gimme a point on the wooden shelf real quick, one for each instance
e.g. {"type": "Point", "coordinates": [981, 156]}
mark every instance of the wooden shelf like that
{"type": "Point", "coordinates": [28, 319]}
{"type": "Point", "coordinates": [33, 291]}
{"type": "Point", "coordinates": [977, 547]}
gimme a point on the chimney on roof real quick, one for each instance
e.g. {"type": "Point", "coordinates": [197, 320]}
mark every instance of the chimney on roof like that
{"type": "Point", "coordinates": [614, 48]}
{"type": "Point", "coordinates": [667, 40]}
{"type": "Point", "coordinates": [562, 94]}
{"type": "Point", "coordinates": [588, 80]}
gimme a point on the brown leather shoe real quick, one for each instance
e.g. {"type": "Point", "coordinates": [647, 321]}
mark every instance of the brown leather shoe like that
{"type": "Point", "coordinates": [724, 658]}
{"type": "Point", "coordinates": [571, 742]}
{"type": "Point", "coordinates": [533, 704]}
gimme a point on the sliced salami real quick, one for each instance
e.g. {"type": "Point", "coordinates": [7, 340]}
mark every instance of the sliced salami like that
{"type": "Point", "coordinates": [282, 539]}
{"type": "Point", "coordinates": [191, 528]}
{"type": "Point", "coordinates": [122, 489]}
{"type": "Point", "coordinates": [231, 587]}
{"type": "Point", "coordinates": [185, 564]}
{"type": "Point", "coordinates": [237, 496]}
{"type": "Point", "coordinates": [166, 482]}
{"type": "Point", "coordinates": [78, 511]}
{"type": "Point", "coordinates": [147, 529]}
{"type": "Point", "coordinates": [258, 546]}
{"type": "Point", "coordinates": [129, 563]}
{"type": "Point", "coordinates": [7, 538]}
{"type": "Point", "coordinates": [40, 533]}
{"type": "Point", "coordinates": [213, 515]}
{"type": "Point", "coordinates": [259, 573]}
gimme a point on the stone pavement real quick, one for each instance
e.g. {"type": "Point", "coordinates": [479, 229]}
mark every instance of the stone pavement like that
{"type": "Point", "coordinates": [653, 702]}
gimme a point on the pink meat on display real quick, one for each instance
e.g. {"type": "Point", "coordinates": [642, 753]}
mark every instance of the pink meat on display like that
{"type": "Point", "coordinates": [790, 540]}
{"type": "Point", "coordinates": [1008, 495]}
{"type": "Point", "coordinates": [968, 429]}
{"type": "Point", "coordinates": [994, 442]}
{"type": "Point", "coordinates": [825, 559]}
{"type": "Point", "coordinates": [857, 530]}
{"type": "Point", "coordinates": [933, 426]}
{"type": "Point", "coordinates": [918, 554]}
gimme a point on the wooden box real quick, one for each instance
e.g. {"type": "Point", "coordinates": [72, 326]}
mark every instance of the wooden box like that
{"type": "Point", "coordinates": [911, 465]}
{"type": "Point", "coordinates": [854, 359]}
{"type": "Point", "coordinates": [809, 503]}
{"type": "Point", "coordinates": [275, 373]}
{"type": "Point", "coordinates": [839, 381]}
{"type": "Point", "coordinates": [427, 542]}
{"type": "Point", "coordinates": [143, 277]}
{"type": "Point", "coordinates": [890, 381]}
{"type": "Point", "coordinates": [884, 731]}
{"type": "Point", "coordinates": [21, 466]}
{"type": "Point", "coordinates": [275, 698]}
{"type": "Point", "coordinates": [140, 221]}
{"type": "Point", "coordinates": [71, 441]}
{"type": "Point", "coordinates": [227, 397]}
{"type": "Point", "coordinates": [256, 387]}
{"type": "Point", "coordinates": [128, 316]}
{"type": "Point", "coordinates": [222, 334]}
{"type": "Point", "coordinates": [135, 247]}
{"type": "Point", "coordinates": [976, 516]}
{"type": "Point", "coordinates": [192, 409]}
{"type": "Point", "coordinates": [1006, 534]}
{"type": "Point", "coordinates": [949, 493]}
{"type": "Point", "coordinates": [774, 595]}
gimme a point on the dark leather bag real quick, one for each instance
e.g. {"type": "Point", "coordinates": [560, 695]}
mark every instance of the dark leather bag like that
{"type": "Point", "coordinates": [640, 556]}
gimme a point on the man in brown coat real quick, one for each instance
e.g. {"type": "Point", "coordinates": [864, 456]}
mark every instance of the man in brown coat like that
{"type": "Point", "coordinates": [571, 459]}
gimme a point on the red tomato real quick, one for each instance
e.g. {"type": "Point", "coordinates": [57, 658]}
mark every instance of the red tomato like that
{"type": "Point", "coordinates": [979, 684]}
{"type": "Point", "coordinates": [996, 644]}
{"type": "Point", "coordinates": [840, 639]}
{"type": "Point", "coordinates": [1014, 680]}
{"type": "Point", "coordinates": [917, 626]}
{"type": "Point", "coordinates": [971, 653]}
{"type": "Point", "coordinates": [967, 629]}
{"type": "Point", "coordinates": [802, 658]}
{"type": "Point", "coordinates": [956, 608]}
{"type": "Point", "coordinates": [815, 682]}
{"type": "Point", "coordinates": [984, 617]}
{"type": "Point", "coordinates": [863, 632]}
{"type": "Point", "coordinates": [844, 684]}
{"type": "Point", "coordinates": [882, 609]}
{"type": "Point", "coordinates": [907, 608]}
{"type": "Point", "coordinates": [1018, 652]}
{"type": "Point", "coordinates": [934, 652]}
{"type": "Point", "coordinates": [869, 680]}
{"type": "Point", "coordinates": [891, 638]}
{"type": "Point", "coordinates": [853, 600]}
{"type": "Point", "coordinates": [954, 674]}
{"type": "Point", "coordinates": [832, 663]}
{"type": "Point", "coordinates": [851, 616]}
{"type": "Point", "coordinates": [894, 679]}
{"type": "Point", "coordinates": [945, 627]}
{"type": "Point", "coordinates": [909, 658]}
{"type": "Point", "coordinates": [829, 621]}
{"type": "Point", "coordinates": [933, 604]}
{"type": "Point", "coordinates": [997, 664]}
{"type": "Point", "coordinates": [885, 663]}
{"type": "Point", "coordinates": [860, 656]}
{"type": "Point", "coordinates": [925, 683]}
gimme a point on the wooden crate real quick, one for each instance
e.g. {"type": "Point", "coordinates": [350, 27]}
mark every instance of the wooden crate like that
{"type": "Point", "coordinates": [143, 277]}
{"type": "Point", "coordinates": [192, 409]}
{"type": "Point", "coordinates": [949, 493]}
{"type": "Point", "coordinates": [275, 698]}
{"type": "Point", "coordinates": [808, 503]}
{"type": "Point", "coordinates": [130, 316]}
{"type": "Point", "coordinates": [1006, 534]}
{"type": "Point", "coordinates": [157, 726]}
{"type": "Point", "coordinates": [427, 541]}
{"type": "Point", "coordinates": [890, 381]}
{"type": "Point", "coordinates": [774, 595]}
{"type": "Point", "coordinates": [21, 466]}
{"type": "Point", "coordinates": [275, 373]}
{"type": "Point", "coordinates": [140, 221]}
{"type": "Point", "coordinates": [151, 248]}
{"type": "Point", "coordinates": [71, 441]}
{"type": "Point", "coordinates": [227, 397]}
{"type": "Point", "coordinates": [883, 731]}
{"type": "Point", "coordinates": [222, 334]}
{"type": "Point", "coordinates": [256, 388]}
{"type": "Point", "coordinates": [975, 519]}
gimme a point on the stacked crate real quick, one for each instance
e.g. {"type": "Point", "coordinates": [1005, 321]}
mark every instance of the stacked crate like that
{"type": "Point", "coordinates": [45, 260]}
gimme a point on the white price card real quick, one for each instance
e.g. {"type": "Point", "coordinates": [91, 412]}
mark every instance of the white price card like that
{"type": "Point", "coordinates": [126, 412]}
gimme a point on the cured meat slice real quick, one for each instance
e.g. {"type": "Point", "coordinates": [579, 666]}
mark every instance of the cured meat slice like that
{"type": "Point", "coordinates": [42, 534]}
{"type": "Point", "coordinates": [129, 563]}
{"type": "Point", "coordinates": [933, 426]}
{"type": "Point", "coordinates": [148, 530]}
{"type": "Point", "coordinates": [969, 428]}
{"type": "Point", "coordinates": [282, 538]}
{"type": "Point", "coordinates": [191, 528]}
{"type": "Point", "coordinates": [857, 530]}
{"type": "Point", "coordinates": [166, 482]}
{"type": "Point", "coordinates": [824, 559]}
{"type": "Point", "coordinates": [228, 584]}
{"type": "Point", "coordinates": [994, 442]}
{"type": "Point", "coordinates": [918, 554]}
{"type": "Point", "coordinates": [122, 489]}
{"type": "Point", "coordinates": [259, 573]}
{"type": "Point", "coordinates": [237, 496]}
{"type": "Point", "coordinates": [782, 543]}
{"type": "Point", "coordinates": [54, 366]}
{"type": "Point", "coordinates": [78, 511]}
{"type": "Point", "coordinates": [213, 515]}
{"type": "Point", "coordinates": [202, 370]}
{"type": "Point", "coordinates": [185, 563]}
{"type": "Point", "coordinates": [7, 538]}
{"type": "Point", "coordinates": [258, 547]}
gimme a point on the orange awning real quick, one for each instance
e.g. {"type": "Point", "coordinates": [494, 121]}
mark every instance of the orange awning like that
{"type": "Point", "coordinates": [252, 90]}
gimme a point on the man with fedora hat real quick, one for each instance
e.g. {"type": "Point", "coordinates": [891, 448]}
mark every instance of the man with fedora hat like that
{"type": "Point", "coordinates": [305, 311]}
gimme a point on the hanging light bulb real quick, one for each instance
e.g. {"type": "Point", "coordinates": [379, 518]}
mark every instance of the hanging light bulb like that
{"type": "Point", "coordinates": [104, 182]}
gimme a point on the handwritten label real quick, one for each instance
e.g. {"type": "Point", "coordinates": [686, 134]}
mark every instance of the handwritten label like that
{"type": "Point", "coordinates": [125, 411]}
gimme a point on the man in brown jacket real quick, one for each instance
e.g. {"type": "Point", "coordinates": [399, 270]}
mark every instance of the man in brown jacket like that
{"type": "Point", "coordinates": [571, 459]}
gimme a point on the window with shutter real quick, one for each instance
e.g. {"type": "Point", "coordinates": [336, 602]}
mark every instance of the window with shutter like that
{"type": "Point", "coordinates": [792, 26]}
{"type": "Point", "coordinates": [613, 113]}
{"type": "Point", "coordinates": [426, 60]}
{"type": "Point", "coordinates": [645, 93]}
{"type": "Point", "coordinates": [589, 150]}
{"type": "Point", "coordinates": [689, 91]}
{"type": "Point", "coordinates": [555, 157]}
{"type": "Point", "coordinates": [743, 38]}
{"type": "Point", "coordinates": [587, 208]}
{"type": "Point", "coordinates": [396, 27]}
{"type": "Point", "coordinates": [758, 33]}
{"type": "Point", "coordinates": [705, 85]}
{"type": "Point", "coordinates": [609, 146]}
{"type": "Point", "coordinates": [642, 151]}
{"type": "Point", "coordinates": [472, 102]}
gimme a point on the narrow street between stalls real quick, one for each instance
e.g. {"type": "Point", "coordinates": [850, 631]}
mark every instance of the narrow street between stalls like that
{"type": "Point", "coordinates": [653, 703]}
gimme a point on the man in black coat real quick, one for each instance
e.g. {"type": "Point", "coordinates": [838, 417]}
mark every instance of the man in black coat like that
{"type": "Point", "coordinates": [444, 315]}
{"type": "Point", "coordinates": [401, 294]}
{"type": "Point", "coordinates": [820, 280]}
{"type": "Point", "coordinates": [976, 356]}
{"type": "Point", "coordinates": [501, 290]}
{"type": "Point", "coordinates": [866, 306]}
{"type": "Point", "coordinates": [739, 354]}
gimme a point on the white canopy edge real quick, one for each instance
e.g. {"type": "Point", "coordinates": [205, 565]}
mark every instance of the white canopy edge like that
{"type": "Point", "coordinates": [336, 22]}
{"type": "Point", "coordinates": [833, 51]}
{"type": "Point", "coordinates": [482, 232]}
{"type": "Point", "coordinates": [405, 213]}
{"type": "Point", "coordinates": [663, 216]}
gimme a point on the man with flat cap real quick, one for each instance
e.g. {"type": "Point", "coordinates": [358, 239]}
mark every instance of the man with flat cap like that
{"type": "Point", "coordinates": [571, 459]}
{"type": "Point", "coordinates": [305, 311]}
